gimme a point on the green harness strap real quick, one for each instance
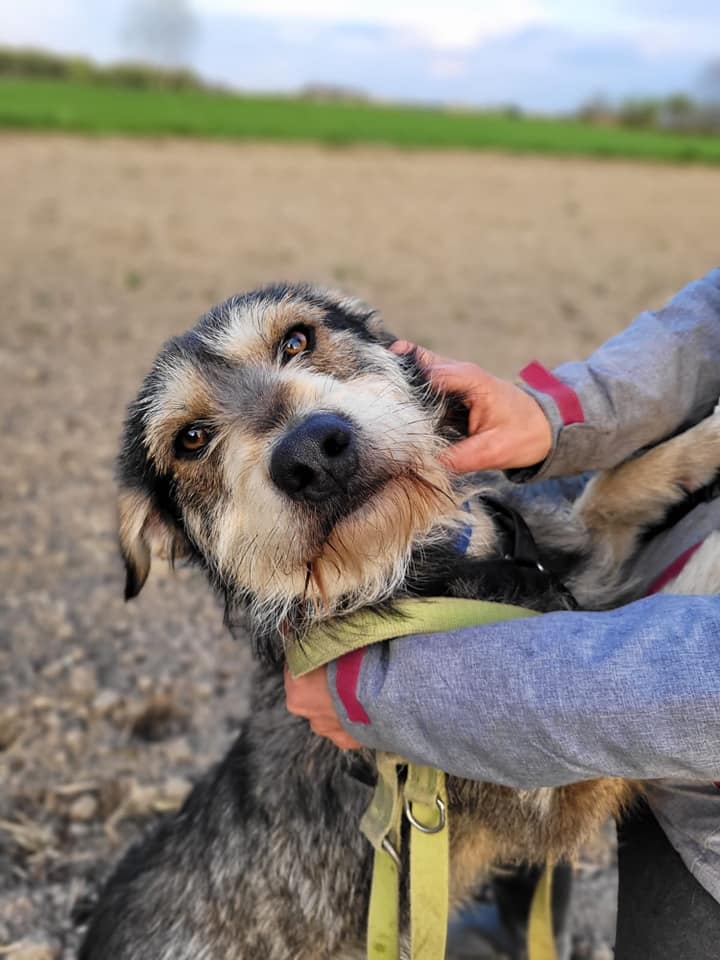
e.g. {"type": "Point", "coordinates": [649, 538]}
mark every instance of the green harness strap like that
{"type": "Point", "coordinates": [425, 806]}
{"type": "Point", "coordinates": [382, 825]}
{"type": "Point", "coordinates": [331, 639]}
{"type": "Point", "coordinates": [540, 935]}
{"type": "Point", "coordinates": [422, 798]}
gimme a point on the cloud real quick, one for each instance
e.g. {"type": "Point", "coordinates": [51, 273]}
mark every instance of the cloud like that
{"type": "Point", "coordinates": [457, 25]}
{"type": "Point", "coordinates": [448, 66]}
{"type": "Point", "coordinates": [542, 68]}
{"type": "Point", "coordinates": [671, 9]}
{"type": "Point", "coordinates": [89, 27]}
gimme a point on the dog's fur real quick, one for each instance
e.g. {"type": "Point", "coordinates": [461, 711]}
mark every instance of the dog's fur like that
{"type": "Point", "coordinates": [265, 860]}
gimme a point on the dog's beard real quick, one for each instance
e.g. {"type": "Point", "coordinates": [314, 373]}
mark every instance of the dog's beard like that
{"type": "Point", "coordinates": [365, 553]}
{"type": "Point", "coordinates": [360, 560]}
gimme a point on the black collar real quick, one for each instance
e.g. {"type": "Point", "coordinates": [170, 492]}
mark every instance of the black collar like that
{"type": "Point", "coordinates": [518, 547]}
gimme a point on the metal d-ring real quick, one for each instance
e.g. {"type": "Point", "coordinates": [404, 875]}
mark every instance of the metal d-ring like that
{"type": "Point", "coordinates": [391, 852]}
{"type": "Point", "coordinates": [421, 826]}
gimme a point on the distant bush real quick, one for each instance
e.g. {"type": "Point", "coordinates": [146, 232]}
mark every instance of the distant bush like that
{"type": "Point", "coordinates": [678, 112]}
{"type": "Point", "coordinates": [29, 63]}
{"type": "Point", "coordinates": [597, 111]}
{"type": "Point", "coordinates": [512, 112]}
{"type": "Point", "coordinates": [32, 63]}
{"type": "Point", "coordinates": [140, 76]}
{"type": "Point", "coordinates": [641, 114]}
{"type": "Point", "coordinates": [332, 93]}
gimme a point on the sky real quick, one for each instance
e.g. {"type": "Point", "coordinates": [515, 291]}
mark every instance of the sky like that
{"type": "Point", "coordinates": [541, 55]}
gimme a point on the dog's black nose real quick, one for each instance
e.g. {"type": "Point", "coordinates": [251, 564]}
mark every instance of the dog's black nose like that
{"type": "Point", "coordinates": [315, 460]}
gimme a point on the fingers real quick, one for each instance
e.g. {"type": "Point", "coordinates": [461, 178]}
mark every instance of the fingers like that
{"type": "Point", "coordinates": [507, 427]}
{"type": "Point", "coordinates": [336, 735]}
{"type": "Point", "coordinates": [426, 358]}
{"type": "Point", "coordinates": [309, 694]}
{"type": "Point", "coordinates": [445, 373]}
{"type": "Point", "coordinates": [472, 454]}
{"type": "Point", "coordinates": [465, 379]}
{"type": "Point", "coordinates": [309, 697]}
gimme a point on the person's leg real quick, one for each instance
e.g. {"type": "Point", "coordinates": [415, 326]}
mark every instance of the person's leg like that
{"type": "Point", "coordinates": [663, 912]}
{"type": "Point", "coordinates": [503, 922]}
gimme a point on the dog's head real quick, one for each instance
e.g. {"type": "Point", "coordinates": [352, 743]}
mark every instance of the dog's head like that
{"type": "Point", "coordinates": [282, 445]}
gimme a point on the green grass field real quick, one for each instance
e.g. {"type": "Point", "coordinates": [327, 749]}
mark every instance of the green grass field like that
{"type": "Point", "coordinates": [87, 108]}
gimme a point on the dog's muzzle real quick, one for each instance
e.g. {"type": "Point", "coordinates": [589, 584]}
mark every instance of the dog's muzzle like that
{"type": "Point", "coordinates": [316, 460]}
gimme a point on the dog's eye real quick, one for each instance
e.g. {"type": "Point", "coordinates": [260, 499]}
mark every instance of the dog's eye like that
{"type": "Point", "coordinates": [192, 439]}
{"type": "Point", "coordinates": [296, 342]}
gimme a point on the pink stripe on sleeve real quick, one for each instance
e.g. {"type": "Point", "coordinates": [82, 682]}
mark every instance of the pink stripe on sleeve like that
{"type": "Point", "coordinates": [669, 573]}
{"type": "Point", "coordinates": [539, 378]}
{"type": "Point", "coordinates": [346, 679]}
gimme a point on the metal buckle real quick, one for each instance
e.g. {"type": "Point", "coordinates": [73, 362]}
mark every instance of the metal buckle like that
{"type": "Point", "coordinates": [421, 826]}
{"type": "Point", "coordinates": [391, 852]}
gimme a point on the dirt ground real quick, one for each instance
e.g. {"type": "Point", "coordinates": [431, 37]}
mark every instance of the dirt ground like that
{"type": "Point", "coordinates": [108, 711]}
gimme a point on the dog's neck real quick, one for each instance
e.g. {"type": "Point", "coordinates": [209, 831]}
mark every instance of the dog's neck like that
{"type": "Point", "coordinates": [464, 530]}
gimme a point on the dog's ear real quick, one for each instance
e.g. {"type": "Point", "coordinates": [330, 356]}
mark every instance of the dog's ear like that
{"type": "Point", "coordinates": [143, 531]}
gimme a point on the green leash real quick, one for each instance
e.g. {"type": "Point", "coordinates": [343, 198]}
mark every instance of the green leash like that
{"type": "Point", "coordinates": [422, 797]}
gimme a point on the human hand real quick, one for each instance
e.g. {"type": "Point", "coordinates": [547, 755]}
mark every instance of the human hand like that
{"type": "Point", "coordinates": [309, 697]}
{"type": "Point", "coordinates": [507, 427]}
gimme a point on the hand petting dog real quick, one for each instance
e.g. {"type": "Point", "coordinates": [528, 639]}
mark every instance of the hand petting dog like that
{"type": "Point", "coordinates": [506, 428]}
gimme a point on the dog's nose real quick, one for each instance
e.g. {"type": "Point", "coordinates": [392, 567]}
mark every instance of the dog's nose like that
{"type": "Point", "coordinates": [315, 460]}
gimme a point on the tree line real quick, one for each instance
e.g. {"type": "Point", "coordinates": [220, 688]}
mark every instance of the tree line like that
{"type": "Point", "coordinates": [679, 111]}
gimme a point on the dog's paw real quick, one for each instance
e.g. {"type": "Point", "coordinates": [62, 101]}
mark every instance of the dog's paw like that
{"type": "Point", "coordinates": [701, 455]}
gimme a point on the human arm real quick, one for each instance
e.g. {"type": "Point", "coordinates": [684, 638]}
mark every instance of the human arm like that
{"type": "Point", "coordinates": [659, 374]}
{"type": "Point", "coordinates": [633, 692]}
{"type": "Point", "coordinates": [662, 372]}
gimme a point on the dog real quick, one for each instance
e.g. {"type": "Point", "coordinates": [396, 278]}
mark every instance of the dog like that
{"type": "Point", "coordinates": [282, 447]}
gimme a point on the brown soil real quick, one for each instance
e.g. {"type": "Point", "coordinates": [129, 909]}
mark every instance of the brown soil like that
{"type": "Point", "coordinates": [107, 247]}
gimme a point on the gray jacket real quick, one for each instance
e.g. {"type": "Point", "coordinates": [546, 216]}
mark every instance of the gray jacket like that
{"type": "Point", "coordinates": [633, 692]}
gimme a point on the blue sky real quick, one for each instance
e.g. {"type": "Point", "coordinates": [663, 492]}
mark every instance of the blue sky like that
{"type": "Point", "coordinates": [544, 55]}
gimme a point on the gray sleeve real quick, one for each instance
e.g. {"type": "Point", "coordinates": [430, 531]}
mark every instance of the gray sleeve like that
{"type": "Point", "coordinates": [553, 699]}
{"type": "Point", "coordinates": [659, 374]}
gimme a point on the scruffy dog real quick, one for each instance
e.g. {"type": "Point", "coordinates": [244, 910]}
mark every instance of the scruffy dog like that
{"type": "Point", "coordinates": [282, 447]}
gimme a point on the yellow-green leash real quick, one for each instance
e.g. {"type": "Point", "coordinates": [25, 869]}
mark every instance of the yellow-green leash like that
{"type": "Point", "coordinates": [422, 797]}
{"type": "Point", "coordinates": [540, 936]}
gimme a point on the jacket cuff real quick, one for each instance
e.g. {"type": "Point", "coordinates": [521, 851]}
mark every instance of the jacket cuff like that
{"type": "Point", "coordinates": [563, 409]}
{"type": "Point", "coordinates": [343, 676]}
